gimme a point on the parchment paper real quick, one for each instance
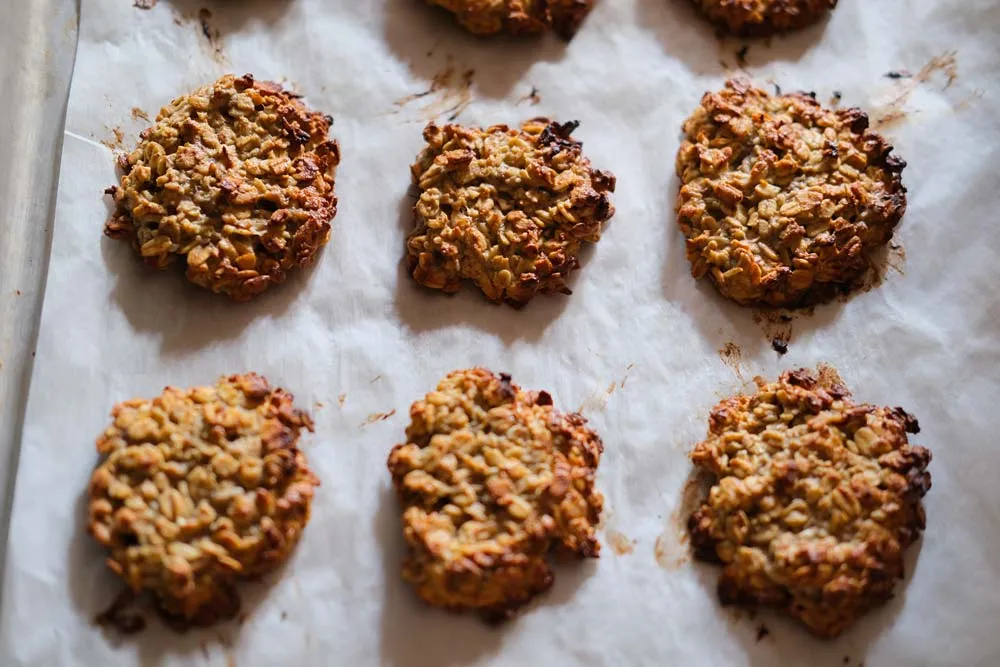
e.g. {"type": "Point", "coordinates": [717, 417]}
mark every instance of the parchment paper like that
{"type": "Point", "coordinates": [355, 340]}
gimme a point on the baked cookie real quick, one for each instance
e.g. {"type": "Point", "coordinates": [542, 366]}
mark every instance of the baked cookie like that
{"type": "Point", "coordinates": [760, 18]}
{"type": "Point", "coordinates": [491, 479]}
{"type": "Point", "coordinates": [507, 209]}
{"type": "Point", "coordinates": [518, 17]}
{"type": "Point", "coordinates": [236, 179]}
{"type": "Point", "coordinates": [783, 202]}
{"type": "Point", "coordinates": [814, 499]}
{"type": "Point", "coordinates": [199, 488]}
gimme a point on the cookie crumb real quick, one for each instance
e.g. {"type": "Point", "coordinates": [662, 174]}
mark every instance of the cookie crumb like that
{"type": "Point", "coordinates": [532, 97]}
{"type": "Point", "coordinates": [741, 55]}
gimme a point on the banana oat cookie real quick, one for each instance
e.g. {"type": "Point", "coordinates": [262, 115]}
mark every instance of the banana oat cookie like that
{"type": "Point", "coordinates": [764, 17]}
{"type": "Point", "coordinates": [814, 499]}
{"type": "Point", "coordinates": [199, 488]}
{"type": "Point", "coordinates": [505, 208]}
{"type": "Point", "coordinates": [491, 480]}
{"type": "Point", "coordinates": [235, 179]}
{"type": "Point", "coordinates": [518, 17]}
{"type": "Point", "coordinates": [783, 202]}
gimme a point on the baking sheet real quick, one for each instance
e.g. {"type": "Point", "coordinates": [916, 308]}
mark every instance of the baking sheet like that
{"type": "Point", "coordinates": [640, 347]}
{"type": "Point", "coordinates": [37, 47]}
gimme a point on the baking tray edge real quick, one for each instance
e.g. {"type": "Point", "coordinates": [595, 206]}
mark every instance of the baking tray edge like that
{"type": "Point", "coordinates": [37, 52]}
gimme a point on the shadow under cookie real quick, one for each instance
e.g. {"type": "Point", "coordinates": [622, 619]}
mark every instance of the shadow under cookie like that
{"type": "Point", "coordinates": [429, 41]}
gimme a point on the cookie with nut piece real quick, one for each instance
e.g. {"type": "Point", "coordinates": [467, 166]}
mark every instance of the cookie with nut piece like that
{"type": "Point", "coordinates": [199, 488]}
{"type": "Point", "coordinates": [518, 17]}
{"type": "Point", "coordinates": [813, 501]}
{"type": "Point", "coordinates": [783, 202]}
{"type": "Point", "coordinates": [761, 18]}
{"type": "Point", "coordinates": [235, 180]}
{"type": "Point", "coordinates": [491, 480]}
{"type": "Point", "coordinates": [505, 208]}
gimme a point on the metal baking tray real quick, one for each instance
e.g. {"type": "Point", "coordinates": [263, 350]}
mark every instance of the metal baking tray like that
{"type": "Point", "coordinates": [37, 50]}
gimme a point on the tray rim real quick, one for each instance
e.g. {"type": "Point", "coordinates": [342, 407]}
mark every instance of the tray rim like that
{"type": "Point", "coordinates": [38, 41]}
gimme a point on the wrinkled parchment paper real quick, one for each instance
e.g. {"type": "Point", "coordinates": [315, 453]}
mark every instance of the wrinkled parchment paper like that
{"type": "Point", "coordinates": [643, 349]}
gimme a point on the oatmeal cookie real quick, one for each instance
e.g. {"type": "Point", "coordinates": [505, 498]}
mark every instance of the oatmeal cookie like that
{"type": "Point", "coordinates": [199, 488]}
{"type": "Point", "coordinates": [236, 179]}
{"type": "Point", "coordinates": [518, 17]}
{"type": "Point", "coordinates": [491, 479]}
{"type": "Point", "coordinates": [505, 208]}
{"type": "Point", "coordinates": [814, 499]}
{"type": "Point", "coordinates": [783, 202]}
{"type": "Point", "coordinates": [761, 18]}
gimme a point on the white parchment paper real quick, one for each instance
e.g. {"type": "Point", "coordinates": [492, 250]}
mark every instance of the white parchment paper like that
{"type": "Point", "coordinates": [353, 337]}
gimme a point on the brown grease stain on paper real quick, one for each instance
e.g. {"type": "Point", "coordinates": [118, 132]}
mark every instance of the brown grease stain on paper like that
{"type": "Point", "coordinates": [599, 400]}
{"type": "Point", "coordinates": [115, 144]}
{"type": "Point", "coordinates": [671, 549]}
{"type": "Point", "coordinates": [888, 258]}
{"type": "Point", "coordinates": [211, 34]}
{"type": "Point", "coordinates": [893, 111]}
{"type": "Point", "coordinates": [732, 356]}
{"type": "Point", "coordinates": [376, 417]}
{"type": "Point", "coordinates": [777, 328]}
{"type": "Point", "coordinates": [122, 614]}
{"type": "Point", "coordinates": [449, 94]}
{"type": "Point", "coordinates": [620, 543]}
{"type": "Point", "coordinates": [531, 98]}
{"type": "Point", "coordinates": [896, 258]}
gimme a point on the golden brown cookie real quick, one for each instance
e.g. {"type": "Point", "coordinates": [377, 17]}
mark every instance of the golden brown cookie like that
{"type": "Point", "coordinates": [507, 209]}
{"type": "Point", "coordinates": [235, 179]}
{"type": "Point", "coordinates": [491, 480]}
{"type": "Point", "coordinates": [199, 488]}
{"type": "Point", "coordinates": [518, 17]}
{"type": "Point", "coordinates": [764, 17]}
{"type": "Point", "coordinates": [783, 202]}
{"type": "Point", "coordinates": [813, 501]}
